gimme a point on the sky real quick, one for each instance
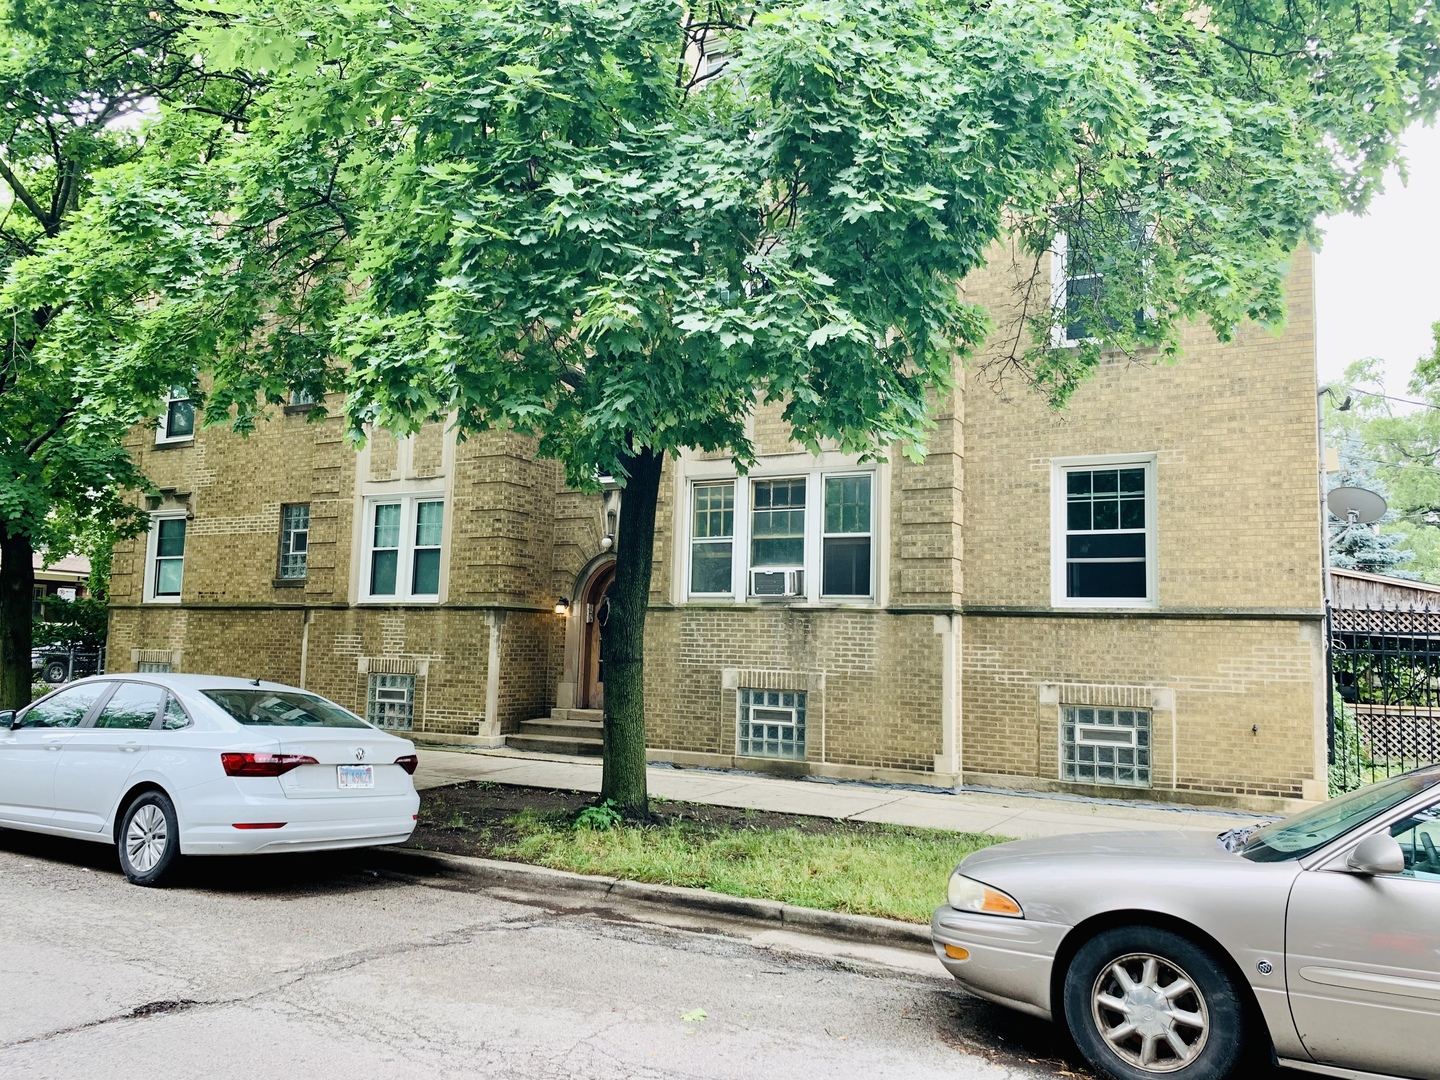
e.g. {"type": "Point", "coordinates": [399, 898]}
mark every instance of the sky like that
{"type": "Point", "coordinates": [1377, 289]}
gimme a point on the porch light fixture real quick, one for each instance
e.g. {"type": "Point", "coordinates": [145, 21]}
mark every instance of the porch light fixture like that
{"type": "Point", "coordinates": [562, 606]}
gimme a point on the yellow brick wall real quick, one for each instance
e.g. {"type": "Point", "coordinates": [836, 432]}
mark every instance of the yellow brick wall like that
{"type": "Point", "coordinates": [968, 529]}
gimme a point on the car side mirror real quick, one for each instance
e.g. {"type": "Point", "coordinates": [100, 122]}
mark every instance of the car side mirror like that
{"type": "Point", "coordinates": [1378, 854]}
{"type": "Point", "coordinates": [9, 718]}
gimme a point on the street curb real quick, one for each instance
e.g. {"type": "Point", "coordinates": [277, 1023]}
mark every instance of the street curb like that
{"type": "Point", "coordinates": [773, 914]}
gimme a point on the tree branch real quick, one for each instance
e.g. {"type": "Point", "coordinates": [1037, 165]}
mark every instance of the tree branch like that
{"type": "Point", "coordinates": [23, 194]}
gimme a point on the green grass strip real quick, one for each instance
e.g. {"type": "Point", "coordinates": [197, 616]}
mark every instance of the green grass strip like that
{"type": "Point", "coordinates": [885, 870]}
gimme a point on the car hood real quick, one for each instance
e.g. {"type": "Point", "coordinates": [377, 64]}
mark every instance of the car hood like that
{"type": "Point", "coordinates": [1070, 878]}
{"type": "Point", "coordinates": [1140, 844]}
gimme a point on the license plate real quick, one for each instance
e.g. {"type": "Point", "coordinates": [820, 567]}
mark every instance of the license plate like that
{"type": "Point", "coordinates": [356, 775]}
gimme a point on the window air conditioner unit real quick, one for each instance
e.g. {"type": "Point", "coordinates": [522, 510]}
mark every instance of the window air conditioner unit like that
{"type": "Point", "coordinates": [777, 582]}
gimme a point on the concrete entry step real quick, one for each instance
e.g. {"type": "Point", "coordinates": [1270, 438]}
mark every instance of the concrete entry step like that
{"type": "Point", "coordinates": [555, 744]}
{"type": "Point", "coordinates": [589, 716]}
{"type": "Point", "coordinates": [561, 729]}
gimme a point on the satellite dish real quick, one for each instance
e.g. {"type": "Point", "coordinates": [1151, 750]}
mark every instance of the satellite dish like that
{"type": "Point", "coordinates": [1357, 505]}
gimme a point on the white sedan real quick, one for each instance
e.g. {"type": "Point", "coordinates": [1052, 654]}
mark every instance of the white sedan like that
{"type": "Point", "coordinates": [164, 765]}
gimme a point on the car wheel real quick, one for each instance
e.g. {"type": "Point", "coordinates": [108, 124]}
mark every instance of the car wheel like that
{"type": "Point", "coordinates": [149, 838]}
{"type": "Point", "coordinates": [1142, 1003]}
{"type": "Point", "coordinates": [54, 672]}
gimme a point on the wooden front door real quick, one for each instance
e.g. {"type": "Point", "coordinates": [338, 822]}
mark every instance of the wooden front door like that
{"type": "Point", "coordinates": [592, 675]}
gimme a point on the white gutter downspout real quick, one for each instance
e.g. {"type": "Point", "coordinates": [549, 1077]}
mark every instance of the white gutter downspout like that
{"type": "Point", "coordinates": [947, 762]}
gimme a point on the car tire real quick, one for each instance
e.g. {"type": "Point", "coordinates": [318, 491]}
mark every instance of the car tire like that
{"type": "Point", "coordinates": [148, 839]}
{"type": "Point", "coordinates": [1190, 1031]}
{"type": "Point", "coordinates": [54, 672]}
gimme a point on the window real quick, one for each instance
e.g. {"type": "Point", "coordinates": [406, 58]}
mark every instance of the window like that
{"type": "Point", "coordinates": [391, 701]}
{"type": "Point", "coordinates": [133, 706]}
{"type": "Point", "coordinates": [1308, 831]}
{"type": "Point", "coordinates": [165, 565]}
{"type": "Point", "coordinates": [294, 540]}
{"type": "Point", "coordinates": [302, 399]}
{"type": "Point", "coordinates": [174, 717]}
{"type": "Point", "coordinates": [1078, 277]}
{"type": "Point", "coordinates": [1105, 746]}
{"type": "Point", "coordinates": [845, 554]}
{"type": "Point", "coordinates": [1103, 533]}
{"type": "Point", "coordinates": [777, 537]}
{"type": "Point", "coordinates": [1419, 837]}
{"type": "Point", "coordinates": [809, 537]}
{"type": "Point", "coordinates": [712, 539]}
{"type": "Point", "coordinates": [771, 724]}
{"type": "Point", "coordinates": [283, 708]}
{"type": "Point", "coordinates": [404, 542]}
{"type": "Point", "coordinates": [153, 667]}
{"type": "Point", "coordinates": [65, 709]}
{"type": "Point", "coordinates": [178, 420]}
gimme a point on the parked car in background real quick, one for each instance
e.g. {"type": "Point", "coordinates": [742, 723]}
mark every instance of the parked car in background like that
{"type": "Point", "coordinates": [58, 664]}
{"type": "Point", "coordinates": [1316, 939]}
{"type": "Point", "coordinates": [165, 765]}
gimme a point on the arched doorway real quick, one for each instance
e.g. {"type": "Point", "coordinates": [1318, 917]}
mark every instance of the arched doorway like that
{"type": "Point", "coordinates": [591, 689]}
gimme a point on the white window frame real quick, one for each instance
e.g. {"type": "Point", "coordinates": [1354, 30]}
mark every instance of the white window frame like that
{"type": "Point", "coordinates": [814, 475]}
{"type": "Point", "coordinates": [735, 482]}
{"type": "Point", "coordinates": [152, 543]}
{"type": "Point", "coordinates": [405, 559]}
{"type": "Point", "coordinates": [1060, 290]}
{"type": "Point", "coordinates": [162, 432]}
{"type": "Point", "coordinates": [290, 536]}
{"type": "Point", "coordinates": [1059, 468]}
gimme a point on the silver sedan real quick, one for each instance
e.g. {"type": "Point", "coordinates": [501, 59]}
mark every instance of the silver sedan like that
{"type": "Point", "coordinates": [1314, 941]}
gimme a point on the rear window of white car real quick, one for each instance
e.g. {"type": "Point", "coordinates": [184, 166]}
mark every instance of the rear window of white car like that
{"type": "Point", "coordinates": [281, 708]}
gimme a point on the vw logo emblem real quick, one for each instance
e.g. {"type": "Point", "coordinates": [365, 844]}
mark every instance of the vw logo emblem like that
{"type": "Point", "coordinates": [359, 753]}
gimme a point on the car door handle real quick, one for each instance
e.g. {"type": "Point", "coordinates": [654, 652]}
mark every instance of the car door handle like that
{"type": "Point", "coordinates": [130, 747]}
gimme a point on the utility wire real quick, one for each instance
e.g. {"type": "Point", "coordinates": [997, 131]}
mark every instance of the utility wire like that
{"type": "Point", "coordinates": [1391, 397]}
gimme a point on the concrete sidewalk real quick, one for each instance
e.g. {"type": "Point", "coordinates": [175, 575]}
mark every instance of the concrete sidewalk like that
{"type": "Point", "coordinates": [1010, 815]}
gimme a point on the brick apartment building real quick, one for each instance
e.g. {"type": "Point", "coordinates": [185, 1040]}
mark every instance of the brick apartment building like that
{"type": "Point", "coordinates": [1124, 597]}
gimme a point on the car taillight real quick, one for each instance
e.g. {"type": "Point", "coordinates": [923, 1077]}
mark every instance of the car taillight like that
{"type": "Point", "coordinates": [263, 764]}
{"type": "Point", "coordinates": [409, 763]}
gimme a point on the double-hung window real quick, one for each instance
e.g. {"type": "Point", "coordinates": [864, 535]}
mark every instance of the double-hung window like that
{"type": "Point", "coordinates": [294, 540]}
{"type": "Point", "coordinates": [845, 546]}
{"type": "Point", "coordinates": [1078, 279]}
{"type": "Point", "coordinates": [801, 537]}
{"type": "Point", "coordinates": [777, 537]}
{"type": "Point", "coordinates": [177, 422]}
{"type": "Point", "coordinates": [1103, 533]}
{"type": "Point", "coordinates": [712, 539]}
{"type": "Point", "coordinates": [165, 557]}
{"type": "Point", "coordinates": [403, 542]}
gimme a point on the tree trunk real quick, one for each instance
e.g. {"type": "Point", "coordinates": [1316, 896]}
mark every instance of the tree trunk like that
{"type": "Point", "coordinates": [17, 595]}
{"type": "Point", "coordinates": [622, 639]}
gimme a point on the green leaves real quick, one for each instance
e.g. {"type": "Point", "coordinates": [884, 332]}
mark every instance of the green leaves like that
{"type": "Point", "coordinates": [539, 214]}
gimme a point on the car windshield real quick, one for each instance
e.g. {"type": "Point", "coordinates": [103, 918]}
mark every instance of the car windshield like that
{"type": "Point", "coordinates": [1311, 830]}
{"type": "Point", "coordinates": [283, 708]}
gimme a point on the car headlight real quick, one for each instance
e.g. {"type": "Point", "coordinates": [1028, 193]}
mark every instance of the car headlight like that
{"type": "Point", "coordinates": [966, 894]}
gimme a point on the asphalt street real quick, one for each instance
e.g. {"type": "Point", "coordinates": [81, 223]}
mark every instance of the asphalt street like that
{"type": "Point", "coordinates": [327, 967]}
{"type": "Point", "coordinates": [336, 966]}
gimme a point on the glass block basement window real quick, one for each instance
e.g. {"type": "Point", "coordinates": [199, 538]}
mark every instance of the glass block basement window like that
{"type": "Point", "coordinates": [391, 701]}
{"type": "Point", "coordinates": [1105, 746]}
{"type": "Point", "coordinates": [772, 724]}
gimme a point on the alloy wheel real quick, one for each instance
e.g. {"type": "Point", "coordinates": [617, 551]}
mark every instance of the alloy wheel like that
{"type": "Point", "coordinates": [146, 838]}
{"type": "Point", "coordinates": [1150, 1012]}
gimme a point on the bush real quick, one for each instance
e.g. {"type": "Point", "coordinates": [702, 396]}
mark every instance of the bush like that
{"type": "Point", "coordinates": [82, 624]}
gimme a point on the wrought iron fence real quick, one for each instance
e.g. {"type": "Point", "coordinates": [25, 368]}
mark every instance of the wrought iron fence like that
{"type": "Point", "coordinates": [1385, 693]}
